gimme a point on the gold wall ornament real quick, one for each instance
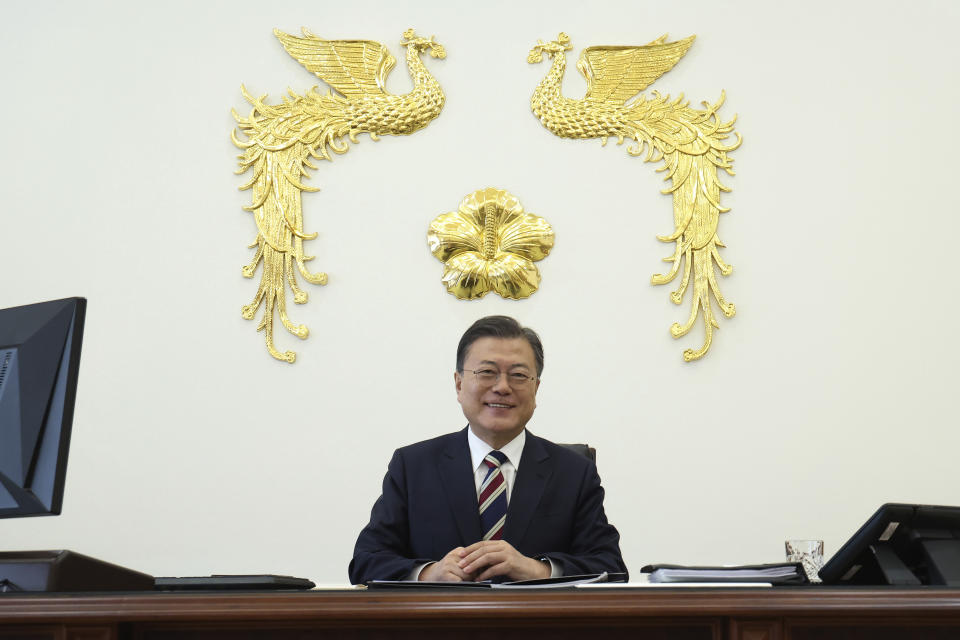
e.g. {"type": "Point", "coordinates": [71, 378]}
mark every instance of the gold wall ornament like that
{"type": "Point", "coordinates": [690, 142]}
{"type": "Point", "coordinates": [490, 244]}
{"type": "Point", "coordinates": [281, 140]}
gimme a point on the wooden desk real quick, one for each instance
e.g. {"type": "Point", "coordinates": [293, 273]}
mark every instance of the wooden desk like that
{"type": "Point", "coordinates": [798, 613]}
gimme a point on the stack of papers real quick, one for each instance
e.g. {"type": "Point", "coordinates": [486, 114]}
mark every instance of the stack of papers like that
{"type": "Point", "coordinates": [791, 573]}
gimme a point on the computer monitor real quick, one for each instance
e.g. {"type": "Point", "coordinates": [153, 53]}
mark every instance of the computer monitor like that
{"type": "Point", "coordinates": [39, 361]}
{"type": "Point", "coordinates": [901, 544]}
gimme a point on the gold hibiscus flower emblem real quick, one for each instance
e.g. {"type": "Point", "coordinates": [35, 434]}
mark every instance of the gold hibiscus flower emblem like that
{"type": "Point", "coordinates": [490, 244]}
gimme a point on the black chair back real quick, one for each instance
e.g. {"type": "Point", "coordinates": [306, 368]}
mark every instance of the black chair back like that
{"type": "Point", "coordinates": [582, 449]}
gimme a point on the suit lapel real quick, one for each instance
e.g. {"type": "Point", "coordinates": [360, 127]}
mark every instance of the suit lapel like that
{"type": "Point", "coordinates": [533, 474]}
{"type": "Point", "coordinates": [459, 487]}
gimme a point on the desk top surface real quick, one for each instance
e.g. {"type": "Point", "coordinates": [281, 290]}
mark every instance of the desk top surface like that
{"type": "Point", "coordinates": [374, 605]}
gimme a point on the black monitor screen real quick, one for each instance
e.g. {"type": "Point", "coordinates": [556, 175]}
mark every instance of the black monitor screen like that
{"type": "Point", "coordinates": [39, 360]}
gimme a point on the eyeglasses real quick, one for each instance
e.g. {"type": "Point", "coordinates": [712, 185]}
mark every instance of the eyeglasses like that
{"type": "Point", "coordinates": [490, 377]}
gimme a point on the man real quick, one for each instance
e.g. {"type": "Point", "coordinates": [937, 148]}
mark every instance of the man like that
{"type": "Point", "coordinates": [441, 514]}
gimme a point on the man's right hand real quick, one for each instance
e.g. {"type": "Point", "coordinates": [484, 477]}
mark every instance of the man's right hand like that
{"type": "Point", "coordinates": [447, 569]}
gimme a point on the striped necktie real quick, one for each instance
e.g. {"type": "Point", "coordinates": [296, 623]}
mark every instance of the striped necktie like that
{"type": "Point", "coordinates": [493, 497]}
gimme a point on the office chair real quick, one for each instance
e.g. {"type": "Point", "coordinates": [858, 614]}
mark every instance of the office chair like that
{"type": "Point", "coordinates": [582, 449]}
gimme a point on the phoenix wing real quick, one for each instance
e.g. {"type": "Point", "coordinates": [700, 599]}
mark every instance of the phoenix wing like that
{"type": "Point", "coordinates": [616, 74]}
{"type": "Point", "coordinates": [354, 68]}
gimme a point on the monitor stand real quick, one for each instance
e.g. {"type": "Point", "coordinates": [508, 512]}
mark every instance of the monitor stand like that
{"type": "Point", "coordinates": [891, 566]}
{"type": "Point", "coordinates": [66, 571]}
{"type": "Point", "coordinates": [943, 559]}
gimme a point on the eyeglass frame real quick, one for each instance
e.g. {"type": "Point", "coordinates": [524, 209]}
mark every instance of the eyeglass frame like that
{"type": "Point", "coordinates": [513, 384]}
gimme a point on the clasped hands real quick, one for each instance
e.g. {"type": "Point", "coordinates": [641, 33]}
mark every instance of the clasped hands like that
{"type": "Point", "coordinates": [482, 561]}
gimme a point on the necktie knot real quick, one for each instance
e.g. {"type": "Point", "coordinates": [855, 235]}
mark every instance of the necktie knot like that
{"type": "Point", "coordinates": [495, 458]}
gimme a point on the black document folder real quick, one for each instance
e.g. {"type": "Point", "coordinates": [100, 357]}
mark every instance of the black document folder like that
{"type": "Point", "coordinates": [264, 582]}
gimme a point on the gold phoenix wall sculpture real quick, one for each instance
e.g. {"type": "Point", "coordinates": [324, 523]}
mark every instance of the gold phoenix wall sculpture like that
{"type": "Point", "coordinates": [690, 142]}
{"type": "Point", "coordinates": [490, 244]}
{"type": "Point", "coordinates": [280, 141]}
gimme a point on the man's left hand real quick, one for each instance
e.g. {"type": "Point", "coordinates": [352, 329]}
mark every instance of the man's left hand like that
{"type": "Point", "coordinates": [491, 558]}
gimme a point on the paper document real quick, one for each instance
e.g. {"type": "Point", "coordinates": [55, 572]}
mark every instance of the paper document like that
{"type": "Point", "coordinates": [545, 583]}
{"type": "Point", "coordinates": [673, 585]}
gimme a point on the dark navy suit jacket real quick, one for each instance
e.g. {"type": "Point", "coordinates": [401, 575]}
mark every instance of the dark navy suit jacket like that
{"type": "Point", "coordinates": [429, 507]}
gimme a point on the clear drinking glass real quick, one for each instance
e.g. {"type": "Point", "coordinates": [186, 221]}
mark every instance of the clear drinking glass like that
{"type": "Point", "coordinates": [808, 553]}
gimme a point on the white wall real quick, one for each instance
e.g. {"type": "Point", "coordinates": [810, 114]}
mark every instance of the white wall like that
{"type": "Point", "coordinates": [832, 391]}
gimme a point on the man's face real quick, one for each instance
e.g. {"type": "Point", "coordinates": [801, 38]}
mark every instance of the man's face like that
{"type": "Point", "coordinates": [497, 412]}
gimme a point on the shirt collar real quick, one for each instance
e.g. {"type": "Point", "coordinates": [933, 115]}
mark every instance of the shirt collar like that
{"type": "Point", "coordinates": [479, 449]}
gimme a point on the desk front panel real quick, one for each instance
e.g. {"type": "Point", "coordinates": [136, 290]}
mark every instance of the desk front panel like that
{"type": "Point", "coordinates": [679, 614]}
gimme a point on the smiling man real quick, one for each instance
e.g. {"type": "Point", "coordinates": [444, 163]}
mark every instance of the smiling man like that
{"type": "Point", "coordinates": [492, 501]}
